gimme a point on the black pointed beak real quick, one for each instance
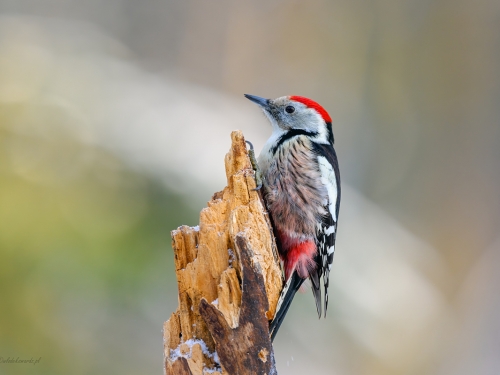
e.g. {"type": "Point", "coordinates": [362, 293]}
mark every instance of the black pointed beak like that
{"type": "Point", "coordinates": [263, 102]}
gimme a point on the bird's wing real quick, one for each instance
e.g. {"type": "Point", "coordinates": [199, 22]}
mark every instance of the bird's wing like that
{"type": "Point", "coordinates": [327, 229]}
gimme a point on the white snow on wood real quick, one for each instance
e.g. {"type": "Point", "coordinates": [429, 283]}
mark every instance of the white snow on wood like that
{"type": "Point", "coordinates": [176, 353]}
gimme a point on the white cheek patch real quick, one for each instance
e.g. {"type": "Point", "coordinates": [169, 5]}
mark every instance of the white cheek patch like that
{"type": "Point", "coordinates": [273, 122]}
{"type": "Point", "coordinates": [328, 179]}
{"type": "Point", "coordinates": [321, 128]}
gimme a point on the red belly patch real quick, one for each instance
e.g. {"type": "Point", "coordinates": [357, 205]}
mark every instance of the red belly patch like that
{"type": "Point", "coordinates": [300, 257]}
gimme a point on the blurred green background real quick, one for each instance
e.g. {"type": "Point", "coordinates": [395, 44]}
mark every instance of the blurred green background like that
{"type": "Point", "coordinates": [114, 119]}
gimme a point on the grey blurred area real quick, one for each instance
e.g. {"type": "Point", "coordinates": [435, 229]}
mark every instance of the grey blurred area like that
{"type": "Point", "coordinates": [114, 120]}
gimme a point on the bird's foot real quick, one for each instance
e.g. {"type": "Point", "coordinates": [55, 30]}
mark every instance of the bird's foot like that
{"type": "Point", "coordinates": [255, 166]}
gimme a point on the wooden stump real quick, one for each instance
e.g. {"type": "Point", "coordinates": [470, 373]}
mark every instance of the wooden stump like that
{"type": "Point", "coordinates": [229, 281]}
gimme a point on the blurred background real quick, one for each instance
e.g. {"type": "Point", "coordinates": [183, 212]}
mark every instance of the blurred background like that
{"type": "Point", "coordinates": [114, 119]}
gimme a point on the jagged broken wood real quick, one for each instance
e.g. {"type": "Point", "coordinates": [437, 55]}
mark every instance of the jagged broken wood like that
{"type": "Point", "coordinates": [229, 281]}
{"type": "Point", "coordinates": [245, 349]}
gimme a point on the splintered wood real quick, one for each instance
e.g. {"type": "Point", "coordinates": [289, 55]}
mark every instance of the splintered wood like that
{"type": "Point", "coordinates": [208, 266]}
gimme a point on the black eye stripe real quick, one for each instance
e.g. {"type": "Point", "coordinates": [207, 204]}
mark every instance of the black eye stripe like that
{"type": "Point", "coordinates": [289, 109]}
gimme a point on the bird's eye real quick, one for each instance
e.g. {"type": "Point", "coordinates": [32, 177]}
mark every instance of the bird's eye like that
{"type": "Point", "coordinates": [290, 109]}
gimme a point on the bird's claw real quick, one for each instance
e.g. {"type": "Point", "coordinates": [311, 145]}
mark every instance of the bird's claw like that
{"type": "Point", "coordinates": [250, 144]}
{"type": "Point", "coordinates": [255, 167]}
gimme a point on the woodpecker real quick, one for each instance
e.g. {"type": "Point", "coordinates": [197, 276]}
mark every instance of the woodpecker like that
{"type": "Point", "coordinates": [301, 189]}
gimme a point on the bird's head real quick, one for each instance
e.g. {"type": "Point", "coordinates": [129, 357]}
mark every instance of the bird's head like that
{"type": "Point", "coordinates": [297, 113]}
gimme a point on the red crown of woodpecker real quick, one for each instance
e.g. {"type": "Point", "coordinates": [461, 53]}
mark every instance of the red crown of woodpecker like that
{"type": "Point", "coordinates": [312, 104]}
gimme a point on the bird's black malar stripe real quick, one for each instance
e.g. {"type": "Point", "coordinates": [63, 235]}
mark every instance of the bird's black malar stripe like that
{"type": "Point", "coordinates": [289, 135]}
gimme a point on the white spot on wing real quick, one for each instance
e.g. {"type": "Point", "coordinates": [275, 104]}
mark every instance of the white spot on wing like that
{"type": "Point", "coordinates": [331, 249]}
{"type": "Point", "coordinates": [330, 230]}
{"type": "Point", "coordinates": [328, 179]}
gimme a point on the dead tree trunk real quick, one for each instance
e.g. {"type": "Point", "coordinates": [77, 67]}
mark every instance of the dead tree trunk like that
{"type": "Point", "coordinates": [229, 281]}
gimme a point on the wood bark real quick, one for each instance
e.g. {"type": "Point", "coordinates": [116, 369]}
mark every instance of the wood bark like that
{"type": "Point", "coordinates": [229, 281]}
